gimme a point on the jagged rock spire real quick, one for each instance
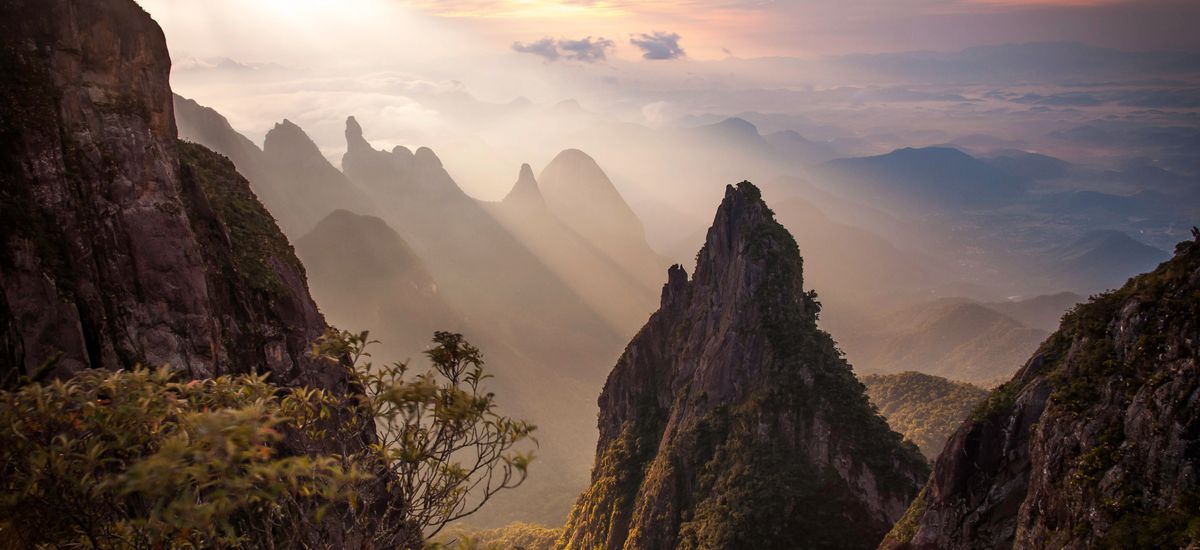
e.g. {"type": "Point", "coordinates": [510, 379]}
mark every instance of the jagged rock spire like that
{"type": "Point", "coordinates": [354, 136]}
{"type": "Point", "coordinates": [731, 420]}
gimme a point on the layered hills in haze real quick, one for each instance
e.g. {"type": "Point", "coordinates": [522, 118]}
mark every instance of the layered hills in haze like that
{"type": "Point", "coordinates": [925, 178]}
{"type": "Point", "coordinates": [953, 338]}
{"type": "Point", "coordinates": [363, 271]}
{"type": "Point", "coordinates": [289, 174]}
{"type": "Point", "coordinates": [1101, 259]}
{"type": "Point", "coordinates": [575, 187]}
{"type": "Point", "coordinates": [549, 281]}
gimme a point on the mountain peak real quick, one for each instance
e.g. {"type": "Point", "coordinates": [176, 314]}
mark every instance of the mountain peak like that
{"type": "Point", "coordinates": [354, 135]}
{"type": "Point", "coordinates": [402, 152]}
{"type": "Point", "coordinates": [574, 179]}
{"type": "Point", "coordinates": [675, 290]}
{"type": "Point", "coordinates": [425, 156]}
{"type": "Point", "coordinates": [928, 178]}
{"type": "Point", "coordinates": [573, 156]}
{"type": "Point", "coordinates": [578, 191]}
{"type": "Point", "coordinates": [733, 130]}
{"type": "Point", "coordinates": [744, 224]}
{"type": "Point", "coordinates": [525, 192]}
{"type": "Point", "coordinates": [728, 390]}
{"type": "Point", "coordinates": [286, 140]}
{"type": "Point", "coordinates": [738, 124]}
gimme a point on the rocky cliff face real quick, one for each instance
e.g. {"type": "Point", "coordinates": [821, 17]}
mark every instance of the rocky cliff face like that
{"type": "Point", "coordinates": [1094, 443]}
{"type": "Point", "coordinates": [120, 245]}
{"type": "Point", "coordinates": [731, 421]}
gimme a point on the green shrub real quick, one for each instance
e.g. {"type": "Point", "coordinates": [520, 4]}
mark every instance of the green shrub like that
{"type": "Point", "coordinates": [441, 447]}
{"type": "Point", "coordinates": [145, 459]}
{"type": "Point", "coordinates": [140, 458]}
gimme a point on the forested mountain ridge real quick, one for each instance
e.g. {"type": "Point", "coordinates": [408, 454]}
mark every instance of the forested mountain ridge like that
{"type": "Point", "coordinates": [925, 409]}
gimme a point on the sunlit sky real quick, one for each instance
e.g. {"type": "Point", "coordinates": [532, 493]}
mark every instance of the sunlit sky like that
{"type": "Point", "coordinates": [708, 29]}
{"type": "Point", "coordinates": [415, 72]}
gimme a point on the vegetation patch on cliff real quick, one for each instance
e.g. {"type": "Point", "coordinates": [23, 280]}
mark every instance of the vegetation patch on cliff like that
{"type": "Point", "coordinates": [256, 240]}
{"type": "Point", "coordinates": [606, 506]}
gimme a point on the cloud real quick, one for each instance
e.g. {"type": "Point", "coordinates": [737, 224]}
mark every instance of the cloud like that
{"type": "Point", "coordinates": [659, 45]}
{"type": "Point", "coordinates": [543, 48]}
{"type": "Point", "coordinates": [1071, 99]}
{"type": "Point", "coordinates": [585, 50]}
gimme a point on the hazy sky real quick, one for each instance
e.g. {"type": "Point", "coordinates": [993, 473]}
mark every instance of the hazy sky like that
{"type": "Point", "coordinates": [440, 72]}
{"type": "Point", "coordinates": [707, 29]}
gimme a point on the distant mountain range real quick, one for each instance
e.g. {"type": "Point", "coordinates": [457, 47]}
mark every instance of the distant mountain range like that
{"type": "Point", "coordinates": [389, 290]}
{"type": "Point", "coordinates": [289, 173]}
{"type": "Point", "coordinates": [1101, 260]}
{"type": "Point", "coordinates": [549, 282]}
{"type": "Point", "coordinates": [1039, 312]}
{"type": "Point", "coordinates": [729, 418]}
{"type": "Point", "coordinates": [927, 178]}
{"type": "Point", "coordinates": [1039, 61]}
{"type": "Point", "coordinates": [1030, 166]}
{"type": "Point", "coordinates": [553, 278]}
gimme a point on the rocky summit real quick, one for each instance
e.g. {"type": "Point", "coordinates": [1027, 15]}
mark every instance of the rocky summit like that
{"type": "Point", "coordinates": [732, 421]}
{"type": "Point", "coordinates": [1095, 443]}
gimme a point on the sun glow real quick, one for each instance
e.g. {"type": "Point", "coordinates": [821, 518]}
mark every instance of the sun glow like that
{"type": "Point", "coordinates": [525, 9]}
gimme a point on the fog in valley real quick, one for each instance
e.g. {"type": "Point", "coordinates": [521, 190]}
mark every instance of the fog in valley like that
{"type": "Point", "coordinates": [525, 174]}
